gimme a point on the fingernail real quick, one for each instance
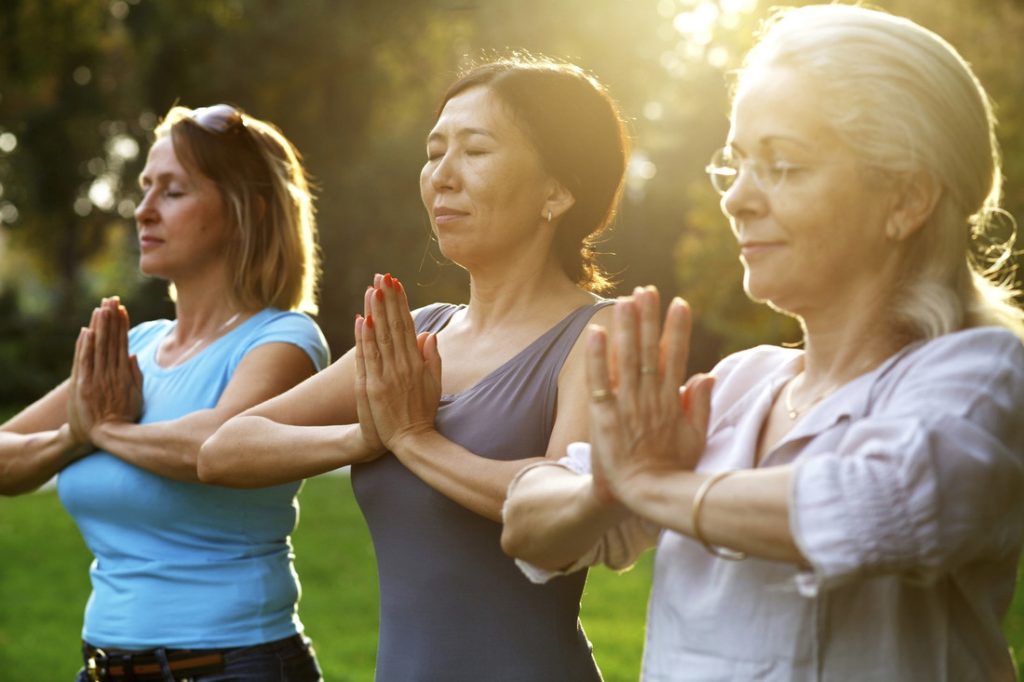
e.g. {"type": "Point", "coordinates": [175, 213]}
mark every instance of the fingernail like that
{"type": "Point", "coordinates": [379, 294]}
{"type": "Point", "coordinates": [398, 285]}
{"type": "Point", "coordinates": [387, 281]}
{"type": "Point", "coordinates": [369, 322]}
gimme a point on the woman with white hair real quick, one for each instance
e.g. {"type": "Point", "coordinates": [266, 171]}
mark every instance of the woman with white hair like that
{"type": "Point", "coordinates": [854, 509]}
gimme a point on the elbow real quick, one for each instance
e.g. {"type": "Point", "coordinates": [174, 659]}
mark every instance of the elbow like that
{"type": "Point", "coordinates": [515, 535]}
{"type": "Point", "coordinates": [212, 460]}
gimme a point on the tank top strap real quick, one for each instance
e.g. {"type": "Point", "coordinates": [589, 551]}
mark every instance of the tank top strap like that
{"type": "Point", "coordinates": [562, 337]}
{"type": "Point", "coordinates": [432, 318]}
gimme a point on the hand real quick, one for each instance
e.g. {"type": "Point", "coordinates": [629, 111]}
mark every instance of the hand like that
{"type": "Point", "coordinates": [106, 384]}
{"type": "Point", "coordinates": [402, 370]}
{"type": "Point", "coordinates": [642, 423]}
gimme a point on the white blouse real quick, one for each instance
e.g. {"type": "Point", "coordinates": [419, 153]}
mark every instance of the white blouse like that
{"type": "Point", "coordinates": [907, 501]}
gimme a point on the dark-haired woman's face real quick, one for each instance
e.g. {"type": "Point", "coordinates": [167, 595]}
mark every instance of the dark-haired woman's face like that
{"type": "Point", "coordinates": [483, 184]}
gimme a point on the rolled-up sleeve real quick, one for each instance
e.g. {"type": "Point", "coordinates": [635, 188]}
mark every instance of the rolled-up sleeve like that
{"type": "Point", "coordinates": [930, 482]}
{"type": "Point", "coordinates": [618, 548]}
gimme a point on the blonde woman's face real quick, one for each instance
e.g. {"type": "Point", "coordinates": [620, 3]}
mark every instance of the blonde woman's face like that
{"type": "Point", "coordinates": [810, 227]}
{"type": "Point", "coordinates": [181, 218]}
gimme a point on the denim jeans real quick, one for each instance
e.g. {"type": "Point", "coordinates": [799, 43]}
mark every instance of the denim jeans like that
{"type": "Point", "coordinates": [284, 661]}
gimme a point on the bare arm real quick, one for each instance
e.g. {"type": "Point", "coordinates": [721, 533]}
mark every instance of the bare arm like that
{"type": "Point", "coordinates": [305, 431]}
{"type": "Point", "coordinates": [403, 387]}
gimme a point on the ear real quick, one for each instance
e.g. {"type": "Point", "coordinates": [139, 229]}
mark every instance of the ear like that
{"type": "Point", "coordinates": [558, 202]}
{"type": "Point", "coordinates": [914, 203]}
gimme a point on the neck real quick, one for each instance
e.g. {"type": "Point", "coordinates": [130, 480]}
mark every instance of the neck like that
{"type": "Point", "coordinates": [537, 290]}
{"type": "Point", "coordinates": [202, 308]}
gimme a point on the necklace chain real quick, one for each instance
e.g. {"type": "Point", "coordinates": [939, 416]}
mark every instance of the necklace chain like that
{"type": "Point", "coordinates": [794, 412]}
{"type": "Point", "coordinates": [205, 339]}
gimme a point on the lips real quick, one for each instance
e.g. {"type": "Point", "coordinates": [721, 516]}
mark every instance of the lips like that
{"type": "Point", "coordinates": [148, 242]}
{"type": "Point", "coordinates": [443, 214]}
{"type": "Point", "coordinates": [752, 248]}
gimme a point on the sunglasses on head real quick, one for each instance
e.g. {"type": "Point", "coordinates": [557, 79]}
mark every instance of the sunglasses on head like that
{"type": "Point", "coordinates": [219, 118]}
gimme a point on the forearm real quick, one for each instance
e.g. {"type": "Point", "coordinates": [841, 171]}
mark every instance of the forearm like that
{"type": "Point", "coordinates": [553, 517]}
{"type": "Point", "coordinates": [250, 451]}
{"type": "Point", "coordinates": [747, 511]}
{"type": "Point", "coordinates": [476, 483]}
{"type": "Point", "coordinates": [29, 460]}
{"type": "Point", "coordinates": [168, 448]}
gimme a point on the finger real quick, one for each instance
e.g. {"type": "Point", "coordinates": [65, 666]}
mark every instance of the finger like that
{"type": "Point", "coordinates": [136, 372]}
{"type": "Point", "coordinates": [86, 368]}
{"type": "Point", "coordinates": [626, 350]}
{"type": "Point", "coordinates": [598, 381]}
{"type": "Point", "coordinates": [122, 337]}
{"type": "Point", "coordinates": [362, 403]}
{"type": "Point", "coordinates": [76, 361]}
{"type": "Point", "coordinates": [433, 358]}
{"type": "Point", "coordinates": [94, 318]}
{"type": "Point", "coordinates": [370, 349]}
{"type": "Point", "coordinates": [698, 404]}
{"type": "Point", "coordinates": [400, 325]}
{"type": "Point", "coordinates": [675, 342]}
{"type": "Point", "coordinates": [649, 305]}
{"type": "Point", "coordinates": [382, 333]}
{"type": "Point", "coordinates": [100, 336]}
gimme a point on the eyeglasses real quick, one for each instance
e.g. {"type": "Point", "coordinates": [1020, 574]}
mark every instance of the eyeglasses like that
{"type": "Point", "coordinates": [219, 118]}
{"type": "Point", "coordinates": [724, 170]}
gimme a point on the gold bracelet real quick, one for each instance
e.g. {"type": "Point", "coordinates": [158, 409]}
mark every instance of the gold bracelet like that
{"type": "Point", "coordinates": [698, 502]}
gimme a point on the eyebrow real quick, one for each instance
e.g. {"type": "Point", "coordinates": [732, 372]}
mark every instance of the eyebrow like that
{"type": "Point", "coordinates": [768, 139]}
{"type": "Point", "coordinates": [159, 176]}
{"type": "Point", "coordinates": [462, 132]}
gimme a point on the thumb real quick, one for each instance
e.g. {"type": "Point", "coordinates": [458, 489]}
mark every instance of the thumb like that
{"type": "Point", "coordinates": [695, 400]}
{"type": "Point", "coordinates": [136, 372]}
{"type": "Point", "coordinates": [433, 358]}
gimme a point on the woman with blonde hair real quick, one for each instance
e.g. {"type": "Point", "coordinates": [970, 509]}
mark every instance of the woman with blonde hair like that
{"type": "Point", "coordinates": [854, 509]}
{"type": "Point", "coordinates": [190, 581]}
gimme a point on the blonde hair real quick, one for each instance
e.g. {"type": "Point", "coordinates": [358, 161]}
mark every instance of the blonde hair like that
{"type": "Point", "coordinates": [272, 256]}
{"type": "Point", "coordinates": [904, 100]}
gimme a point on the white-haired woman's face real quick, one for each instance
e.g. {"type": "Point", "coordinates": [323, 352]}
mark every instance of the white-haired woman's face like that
{"type": "Point", "coordinates": [810, 224]}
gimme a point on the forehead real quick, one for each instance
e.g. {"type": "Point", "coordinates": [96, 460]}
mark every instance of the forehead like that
{"type": "Point", "coordinates": [163, 158]}
{"type": "Point", "coordinates": [778, 103]}
{"type": "Point", "coordinates": [477, 108]}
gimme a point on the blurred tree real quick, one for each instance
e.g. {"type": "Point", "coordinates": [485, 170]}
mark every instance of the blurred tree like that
{"type": "Point", "coordinates": [354, 83]}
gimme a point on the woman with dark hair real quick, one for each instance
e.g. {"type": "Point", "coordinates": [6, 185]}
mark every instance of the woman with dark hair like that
{"type": "Point", "coordinates": [442, 407]}
{"type": "Point", "coordinates": [190, 581]}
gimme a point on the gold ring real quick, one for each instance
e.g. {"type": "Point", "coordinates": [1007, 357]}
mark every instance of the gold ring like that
{"type": "Point", "coordinates": [599, 395]}
{"type": "Point", "coordinates": [648, 370]}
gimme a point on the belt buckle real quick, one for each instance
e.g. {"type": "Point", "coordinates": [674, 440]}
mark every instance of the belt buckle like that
{"type": "Point", "coordinates": [96, 666]}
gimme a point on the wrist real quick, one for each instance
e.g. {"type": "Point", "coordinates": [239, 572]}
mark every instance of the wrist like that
{"type": "Point", "coordinates": [409, 440]}
{"type": "Point", "coordinates": [72, 445]}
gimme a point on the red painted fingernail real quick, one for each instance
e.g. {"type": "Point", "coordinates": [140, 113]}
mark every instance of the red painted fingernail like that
{"type": "Point", "coordinates": [369, 321]}
{"type": "Point", "coordinates": [379, 294]}
{"type": "Point", "coordinates": [398, 285]}
{"type": "Point", "coordinates": [389, 281]}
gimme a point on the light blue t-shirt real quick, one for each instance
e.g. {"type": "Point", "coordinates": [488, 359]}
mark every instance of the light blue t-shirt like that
{"type": "Point", "coordinates": [187, 565]}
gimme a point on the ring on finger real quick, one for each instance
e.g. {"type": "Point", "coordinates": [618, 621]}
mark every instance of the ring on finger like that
{"type": "Point", "coordinates": [599, 395]}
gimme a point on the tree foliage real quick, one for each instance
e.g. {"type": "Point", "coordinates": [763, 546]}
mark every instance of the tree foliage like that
{"type": "Point", "coordinates": [354, 84]}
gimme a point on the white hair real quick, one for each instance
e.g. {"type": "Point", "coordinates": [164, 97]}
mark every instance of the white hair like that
{"type": "Point", "coordinates": [906, 102]}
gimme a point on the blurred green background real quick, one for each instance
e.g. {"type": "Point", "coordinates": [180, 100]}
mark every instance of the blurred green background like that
{"type": "Point", "coordinates": [354, 83]}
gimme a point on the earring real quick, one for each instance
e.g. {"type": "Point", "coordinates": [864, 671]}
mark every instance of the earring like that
{"type": "Point", "coordinates": [549, 215]}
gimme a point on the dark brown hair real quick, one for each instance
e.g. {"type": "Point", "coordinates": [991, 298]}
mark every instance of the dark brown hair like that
{"type": "Point", "coordinates": [579, 134]}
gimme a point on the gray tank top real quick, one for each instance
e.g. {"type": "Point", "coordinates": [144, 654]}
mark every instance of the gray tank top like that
{"type": "Point", "coordinates": [453, 606]}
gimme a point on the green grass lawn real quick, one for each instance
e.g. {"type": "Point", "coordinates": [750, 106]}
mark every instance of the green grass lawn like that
{"type": "Point", "coordinates": [44, 584]}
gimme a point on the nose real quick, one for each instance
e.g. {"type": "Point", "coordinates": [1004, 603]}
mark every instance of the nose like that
{"type": "Point", "coordinates": [745, 197]}
{"type": "Point", "coordinates": [145, 212]}
{"type": "Point", "coordinates": [444, 175]}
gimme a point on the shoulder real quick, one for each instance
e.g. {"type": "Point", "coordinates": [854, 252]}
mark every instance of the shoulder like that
{"type": "Point", "coordinates": [271, 325]}
{"type": "Point", "coordinates": [428, 317]}
{"type": "Point", "coordinates": [964, 368]}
